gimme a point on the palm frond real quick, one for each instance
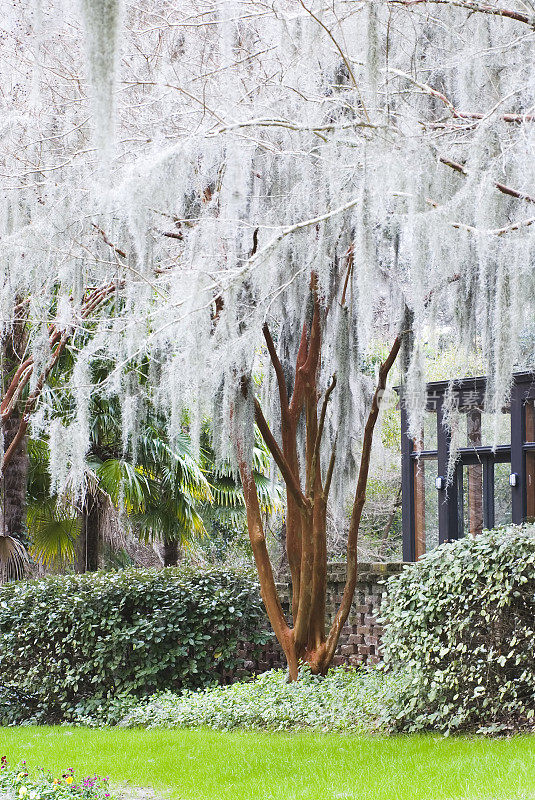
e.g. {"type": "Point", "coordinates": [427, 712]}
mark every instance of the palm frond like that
{"type": "Point", "coordinates": [53, 529]}
{"type": "Point", "coordinates": [38, 469]}
{"type": "Point", "coordinates": [269, 494]}
{"type": "Point", "coordinates": [181, 523]}
{"type": "Point", "coordinates": [124, 482]}
{"type": "Point", "coordinates": [261, 455]}
{"type": "Point", "coordinates": [176, 464]}
{"type": "Point", "coordinates": [227, 493]}
{"type": "Point", "coordinates": [13, 559]}
{"type": "Point", "coordinates": [38, 452]}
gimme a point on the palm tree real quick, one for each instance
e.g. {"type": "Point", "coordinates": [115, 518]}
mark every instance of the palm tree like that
{"type": "Point", "coordinates": [17, 364]}
{"type": "Point", "coordinates": [161, 492]}
{"type": "Point", "coordinates": [164, 492]}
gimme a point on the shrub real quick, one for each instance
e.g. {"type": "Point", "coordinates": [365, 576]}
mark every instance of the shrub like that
{"type": "Point", "coordinates": [346, 700]}
{"type": "Point", "coordinates": [16, 705]}
{"type": "Point", "coordinates": [71, 643]}
{"type": "Point", "coordinates": [461, 627]}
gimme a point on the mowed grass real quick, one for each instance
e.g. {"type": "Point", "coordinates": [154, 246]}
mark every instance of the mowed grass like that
{"type": "Point", "coordinates": [212, 765]}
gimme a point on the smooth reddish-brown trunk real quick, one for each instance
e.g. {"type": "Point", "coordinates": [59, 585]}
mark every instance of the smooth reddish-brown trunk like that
{"type": "Point", "coordinates": [307, 491]}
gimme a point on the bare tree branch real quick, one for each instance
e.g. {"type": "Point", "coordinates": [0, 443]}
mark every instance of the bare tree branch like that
{"type": "Point", "coordinates": [273, 447]}
{"type": "Point", "coordinates": [500, 186]}
{"type": "Point", "coordinates": [482, 8]}
{"type": "Point", "coordinates": [360, 499]}
{"type": "Point", "coordinates": [466, 115]}
{"type": "Point", "coordinates": [58, 340]}
{"type": "Point", "coordinates": [277, 366]}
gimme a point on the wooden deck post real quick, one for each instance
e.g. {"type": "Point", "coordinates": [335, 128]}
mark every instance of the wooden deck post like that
{"type": "Point", "coordinates": [475, 474]}
{"type": "Point", "coordinates": [518, 492]}
{"type": "Point", "coordinates": [529, 417]}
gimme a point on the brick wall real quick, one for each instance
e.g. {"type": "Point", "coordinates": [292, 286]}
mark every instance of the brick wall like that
{"type": "Point", "coordinates": [360, 641]}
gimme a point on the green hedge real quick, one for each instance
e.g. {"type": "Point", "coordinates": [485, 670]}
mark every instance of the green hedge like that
{"type": "Point", "coordinates": [70, 643]}
{"type": "Point", "coordinates": [461, 628]}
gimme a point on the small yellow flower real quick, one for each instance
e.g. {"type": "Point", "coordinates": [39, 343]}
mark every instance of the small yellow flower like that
{"type": "Point", "coordinates": [69, 779]}
{"type": "Point", "coordinates": [55, 782]}
{"type": "Point", "coordinates": [22, 791]}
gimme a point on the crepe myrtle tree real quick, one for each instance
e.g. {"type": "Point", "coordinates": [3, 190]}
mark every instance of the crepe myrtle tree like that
{"type": "Point", "coordinates": [308, 485]}
{"type": "Point", "coordinates": [304, 447]}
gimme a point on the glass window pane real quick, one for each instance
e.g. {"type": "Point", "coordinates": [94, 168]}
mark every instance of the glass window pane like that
{"type": "Point", "coordinates": [495, 424]}
{"type": "Point", "coordinates": [502, 494]}
{"type": "Point", "coordinates": [530, 421]}
{"type": "Point", "coordinates": [430, 431]}
{"type": "Point", "coordinates": [479, 429]}
{"type": "Point", "coordinates": [473, 499]}
{"type": "Point", "coordinates": [431, 504]}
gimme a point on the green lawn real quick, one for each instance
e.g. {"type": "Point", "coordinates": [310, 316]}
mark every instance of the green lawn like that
{"type": "Point", "coordinates": [208, 765]}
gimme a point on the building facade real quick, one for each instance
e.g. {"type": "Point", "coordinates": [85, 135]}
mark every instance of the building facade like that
{"type": "Point", "coordinates": [489, 481]}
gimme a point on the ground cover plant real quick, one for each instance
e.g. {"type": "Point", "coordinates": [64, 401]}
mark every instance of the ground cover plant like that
{"type": "Point", "coordinates": [70, 643]}
{"type": "Point", "coordinates": [345, 700]}
{"type": "Point", "coordinates": [461, 630]}
{"type": "Point", "coordinates": [220, 765]}
{"type": "Point", "coordinates": [22, 783]}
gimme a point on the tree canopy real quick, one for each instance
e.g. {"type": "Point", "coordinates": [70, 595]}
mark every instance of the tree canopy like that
{"type": "Point", "coordinates": [206, 157]}
{"type": "Point", "coordinates": [213, 186]}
